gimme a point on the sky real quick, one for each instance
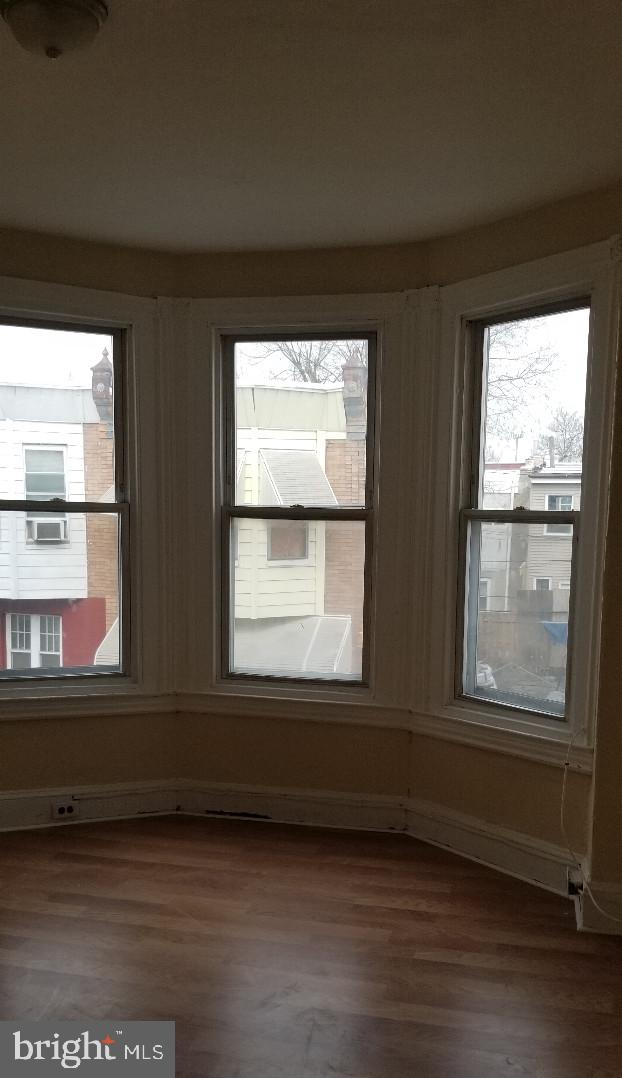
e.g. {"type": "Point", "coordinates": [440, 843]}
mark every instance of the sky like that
{"type": "Point", "coordinates": [565, 335]}
{"type": "Point", "coordinates": [49, 357]}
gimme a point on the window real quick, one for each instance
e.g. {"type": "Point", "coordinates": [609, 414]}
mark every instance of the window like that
{"type": "Point", "coordinates": [484, 589]}
{"type": "Point", "coordinates": [62, 508]}
{"type": "Point", "coordinates": [522, 445]}
{"type": "Point", "coordinates": [297, 506]}
{"type": "Point", "coordinates": [34, 640]}
{"type": "Point", "coordinates": [44, 480]}
{"type": "Point", "coordinates": [558, 503]}
{"type": "Point", "coordinates": [287, 540]}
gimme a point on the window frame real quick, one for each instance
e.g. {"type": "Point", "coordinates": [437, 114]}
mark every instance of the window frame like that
{"type": "Point", "coordinates": [472, 515]}
{"type": "Point", "coordinates": [548, 526]}
{"type": "Point", "coordinates": [230, 510]}
{"type": "Point", "coordinates": [593, 273]}
{"type": "Point", "coordinates": [280, 560]}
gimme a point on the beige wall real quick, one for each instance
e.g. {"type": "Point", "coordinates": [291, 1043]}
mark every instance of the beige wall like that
{"type": "Point", "coordinates": [570, 223]}
{"type": "Point", "coordinates": [37, 753]}
{"type": "Point", "coordinates": [512, 792]}
{"type": "Point", "coordinates": [306, 755]}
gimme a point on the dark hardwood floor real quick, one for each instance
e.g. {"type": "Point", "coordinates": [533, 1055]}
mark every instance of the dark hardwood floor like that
{"type": "Point", "coordinates": [285, 952]}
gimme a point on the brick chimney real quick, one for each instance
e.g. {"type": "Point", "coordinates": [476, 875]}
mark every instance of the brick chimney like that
{"type": "Point", "coordinates": [355, 397]}
{"type": "Point", "coordinates": [102, 387]}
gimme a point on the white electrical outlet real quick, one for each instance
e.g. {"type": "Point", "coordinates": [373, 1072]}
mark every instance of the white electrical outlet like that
{"type": "Point", "coordinates": [65, 808]}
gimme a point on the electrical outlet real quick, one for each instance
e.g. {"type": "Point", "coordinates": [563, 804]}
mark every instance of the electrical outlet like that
{"type": "Point", "coordinates": [65, 808]}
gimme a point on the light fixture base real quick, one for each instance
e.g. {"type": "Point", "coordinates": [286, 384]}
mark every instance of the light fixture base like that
{"type": "Point", "coordinates": [53, 27]}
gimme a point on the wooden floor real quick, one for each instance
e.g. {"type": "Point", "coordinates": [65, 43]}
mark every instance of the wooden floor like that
{"type": "Point", "coordinates": [287, 952]}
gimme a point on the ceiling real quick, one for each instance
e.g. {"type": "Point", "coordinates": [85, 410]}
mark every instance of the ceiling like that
{"type": "Point", "coordinates": [260, 124]}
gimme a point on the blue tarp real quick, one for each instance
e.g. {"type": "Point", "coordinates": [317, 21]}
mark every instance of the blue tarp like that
{"type": "Point", "coordinates": [557, 630]}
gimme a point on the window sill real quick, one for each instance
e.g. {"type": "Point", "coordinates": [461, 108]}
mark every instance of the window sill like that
{"type": "Point", "coordinates": [78, 701]}
{"type": "Point", "coordinates": [546, 741]}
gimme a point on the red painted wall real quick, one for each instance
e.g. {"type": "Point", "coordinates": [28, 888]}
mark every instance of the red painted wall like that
{"type": "Point", "coordinates": [84, 625]}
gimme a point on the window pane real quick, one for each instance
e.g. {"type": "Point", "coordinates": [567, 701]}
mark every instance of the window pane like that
{"type": "Point", "coordinates": [59, 603]}
{"type": "Point", "coordinates": [288, 540]}
{"type": "Point", "coordinates": [56, 414]}
{"type": "Point", "coordinates": [301, 422]}
{"type": "Point", "coordinates": [516, 644]}
{"type": "Point", "coordinates": [295, 617]}
{"type": "Point", "coordinates": [533, 411]}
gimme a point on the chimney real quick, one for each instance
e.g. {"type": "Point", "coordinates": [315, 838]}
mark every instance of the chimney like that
{"type": "Point", "coordinates": [355, 397]}
{"type": "Point", "coordinates": [102, 387]}
{"type": "Point", "coordinates": [552, 452]}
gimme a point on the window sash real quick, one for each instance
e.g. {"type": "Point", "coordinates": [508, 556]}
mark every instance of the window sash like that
{"type": "Point", "coordinates": [232, 510]}
{"type": "Point", "coordinates": [468, 603]}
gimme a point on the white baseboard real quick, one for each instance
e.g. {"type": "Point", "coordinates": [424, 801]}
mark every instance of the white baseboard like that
{"type": "Point", "coordinates": [511, 852]}
{"type": "Point", "coordinates": [606, 915]}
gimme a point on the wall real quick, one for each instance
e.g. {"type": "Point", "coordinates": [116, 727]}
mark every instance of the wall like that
{"type": "Point", "coordinates": [517, 793]}
{"type": "Point", "coordinates": [572, 222]}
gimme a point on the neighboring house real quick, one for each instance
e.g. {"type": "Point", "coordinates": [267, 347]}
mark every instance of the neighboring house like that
{"type": "Point", "coordinates": [524, 586]}
{"type": "Point", "coordinates": [549, 553]}
{"type": "Point", "coordinates": [57, 581]}
{"type": "Point", "coordinates": [296, 582]}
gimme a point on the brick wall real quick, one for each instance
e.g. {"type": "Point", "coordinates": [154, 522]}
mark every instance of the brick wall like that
{"type": "Point", "coordinates": [101, 532]}
{"type": "Point", "coordinates": [345, 542]}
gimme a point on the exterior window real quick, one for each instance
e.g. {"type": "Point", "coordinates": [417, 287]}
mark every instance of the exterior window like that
{"type": "Point", "coordinates": [484, 589]}
{"type": "Point", "coordinates": [559, 503]}
{"type": "Point", "coordinates": [63, 512]}
{"type": "Point", "coordinates": [287, 540]}
{"type": "Point", "coordinates": [44, 480]}
{"type": "Point", "coordinates": [519, 528]}
{"type": "Point", "coordinates": [34, 640]}
{"type": "Point", "coordinates": [298, 506]}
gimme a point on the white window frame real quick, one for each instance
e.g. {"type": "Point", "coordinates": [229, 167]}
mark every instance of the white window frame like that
{"type": "Point", "coordinates": [593, 274]}
{"type": "Point", "coordinates": [483, 580]}
{"type": "Point", "coordinates": [32, 518]}
{"type": "Point", "coordinates": [35, 640]}
{"type": "Point", "coordinates": [143, 422]}
{"type": "Point", "coordinates": [386, 699]}
{"type": "Point", "coordinates": [549, 582]}
{"type": "Point", "coordinates": [550, 529]}
{"type": "Point", "coordinates": [282, 562]}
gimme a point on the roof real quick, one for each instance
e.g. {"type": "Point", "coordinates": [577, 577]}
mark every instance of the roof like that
{"type": "Point", "coordinates": [107, 653]}
{"type": "Point", "coordinates": [287, 407]}
{"type": "Point", "coordinates": [297, 477]}
{"type": "Point", "coordinates": [39, 404]}
{"type": "Point", "coordinates": [313, 645]}
{"type": "Point", "coordinates": [562, 470]}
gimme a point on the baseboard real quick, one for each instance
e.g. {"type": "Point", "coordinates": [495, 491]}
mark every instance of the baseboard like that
{"type": "Point", "coordinates": [21, 809]}
{"type": "Point", "coordinates": [600, 910]}
{"type": "Point", "coordinates": [322, 808]}
{"type": "Point", "coordinates": [511, 852]}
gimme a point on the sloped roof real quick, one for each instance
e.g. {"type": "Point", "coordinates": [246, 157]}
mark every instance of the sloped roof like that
{"type": "Point", "coordinates": [313, 645]}
{"type": "Point", "coordinates": [107, 653]}
{"type": "Point", "coordinates": [291, 407]}
{"type": "Point", "coordinates": [38, 404]}
{"type": "Point", "coordinates": [297, 477]}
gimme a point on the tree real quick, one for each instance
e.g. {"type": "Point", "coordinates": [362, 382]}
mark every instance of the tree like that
{"type": "Point", "coordinates": [516, 371]}
{"type": "Point", "coordinates": [566, 430]}
{"type": "Point", "coordinates": [320, 362]}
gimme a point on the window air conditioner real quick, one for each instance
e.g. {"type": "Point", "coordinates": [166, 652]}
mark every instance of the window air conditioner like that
{"type": "Point", "coordinates": [48, 531]}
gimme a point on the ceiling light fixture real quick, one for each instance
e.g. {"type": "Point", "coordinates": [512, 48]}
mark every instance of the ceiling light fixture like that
{"type": "Point", "coordinates": [53, 27]}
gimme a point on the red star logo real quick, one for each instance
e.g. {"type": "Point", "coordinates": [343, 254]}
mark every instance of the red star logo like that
{"type": "Point", "coordinates": [108, 1039]}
